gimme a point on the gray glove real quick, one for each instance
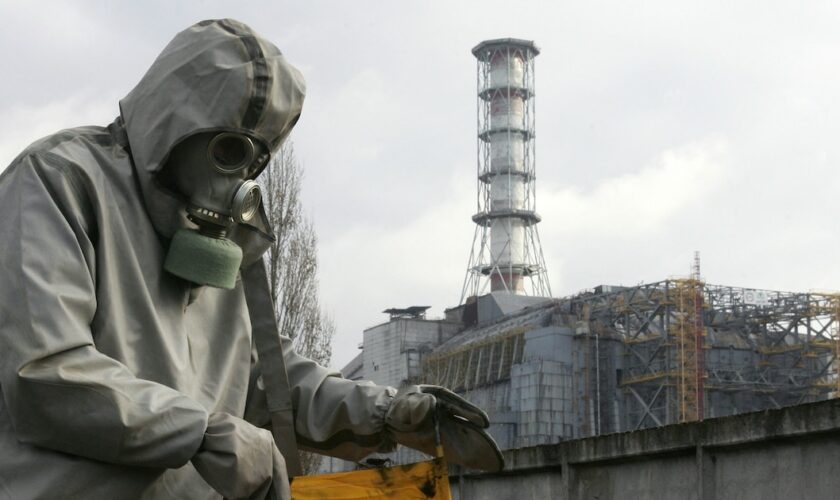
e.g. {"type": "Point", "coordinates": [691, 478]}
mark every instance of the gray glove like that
{"type": "Point", "coordinates": [240, 461]}
{"type": "Point", "coordinates": [410, 419]}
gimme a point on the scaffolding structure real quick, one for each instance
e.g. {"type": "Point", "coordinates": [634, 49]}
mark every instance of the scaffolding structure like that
{"type": "Point", "coordinates": [689, 335]}
{"type": "Point", "coordinates": [693, 350]}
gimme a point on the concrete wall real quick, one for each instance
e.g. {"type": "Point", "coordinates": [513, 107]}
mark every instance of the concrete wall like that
{"type": "Point", "coordinates": [392, 350]}
{"type": "Point", "coordinates": [789, 453]}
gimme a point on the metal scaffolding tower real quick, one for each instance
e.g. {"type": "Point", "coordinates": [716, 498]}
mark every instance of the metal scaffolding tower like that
{"type": "Point", "coordinates": [506, 246]}
{"type": "Point", "coordinates": [689, 334]}
{"type": "Point", "coordinates": [694, 350]}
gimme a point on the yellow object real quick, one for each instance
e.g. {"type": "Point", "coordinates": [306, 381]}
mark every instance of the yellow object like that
{"type": "Point", "coordinates": [421, 481]}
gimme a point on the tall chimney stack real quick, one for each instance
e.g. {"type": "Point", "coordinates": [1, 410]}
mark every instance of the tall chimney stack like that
{"type": "Point", "coordinates": [506, 247]}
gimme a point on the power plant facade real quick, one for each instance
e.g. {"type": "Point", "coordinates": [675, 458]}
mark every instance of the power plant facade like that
{"type": "Point", "coordinates": [606, 360]}
{"type": "Point", "coordinates": [614, 359]}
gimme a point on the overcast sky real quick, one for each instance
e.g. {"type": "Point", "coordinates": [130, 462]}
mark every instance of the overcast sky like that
{"type": "Point", "coordinates": [662, 128]}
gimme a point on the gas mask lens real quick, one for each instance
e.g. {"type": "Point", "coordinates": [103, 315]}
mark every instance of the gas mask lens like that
{"type": "Point", "coordinates": [246, 201]}
{"type": "Point", "coordinates": [229, 153]}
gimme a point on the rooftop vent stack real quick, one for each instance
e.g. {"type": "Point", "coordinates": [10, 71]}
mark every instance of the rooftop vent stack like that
{"type": "Point", "coordinates": [506, 247]}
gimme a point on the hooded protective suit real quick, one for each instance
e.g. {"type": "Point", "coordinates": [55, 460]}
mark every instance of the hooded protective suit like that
{"type": "Point", "coordinates": [110, 366]}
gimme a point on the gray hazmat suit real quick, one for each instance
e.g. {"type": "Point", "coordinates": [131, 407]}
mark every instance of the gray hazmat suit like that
{"type": "Point", "coordinates": [110, 366]}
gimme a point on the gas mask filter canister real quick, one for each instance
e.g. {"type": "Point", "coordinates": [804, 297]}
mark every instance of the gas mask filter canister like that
{"type": "Point", "coordinates": [214, 171]}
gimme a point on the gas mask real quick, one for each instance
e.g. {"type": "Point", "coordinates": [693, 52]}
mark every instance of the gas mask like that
{"type": "Point", "coordinates": [215, 172]}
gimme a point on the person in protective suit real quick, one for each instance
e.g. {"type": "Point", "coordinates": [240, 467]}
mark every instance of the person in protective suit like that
{"type": "Point", "coordinates": [132, 282]}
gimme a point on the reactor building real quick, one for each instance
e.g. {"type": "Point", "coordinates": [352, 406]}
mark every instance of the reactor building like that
{"type": "Point", "coordinates": [610, 359]}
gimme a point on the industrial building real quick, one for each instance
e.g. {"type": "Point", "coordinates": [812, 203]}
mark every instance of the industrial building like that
{"type": "Point", "coordinates": [610, 359]}
{"type": "Point", "coordinates": [614, 359]}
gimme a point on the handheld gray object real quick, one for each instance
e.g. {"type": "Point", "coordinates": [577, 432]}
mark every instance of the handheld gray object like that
{"type": "Point", "coordinates": [462, 426]}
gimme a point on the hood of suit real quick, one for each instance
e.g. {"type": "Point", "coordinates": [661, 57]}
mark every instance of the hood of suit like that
{"type": "Point", "coordinates": [215, 76]}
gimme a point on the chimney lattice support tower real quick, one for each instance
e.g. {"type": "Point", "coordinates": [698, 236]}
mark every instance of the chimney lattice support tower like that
{"type": "Point", "coordinates": [506, 251]}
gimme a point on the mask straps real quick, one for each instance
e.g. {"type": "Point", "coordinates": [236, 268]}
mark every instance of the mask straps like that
{"type": "Point", "coordinates": [266, 336]}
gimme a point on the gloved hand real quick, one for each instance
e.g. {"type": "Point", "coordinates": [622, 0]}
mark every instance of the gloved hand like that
{"type": "Point", "coordinates": [240, 461]}
{"type": "Point", "coordinates": [410, 419]}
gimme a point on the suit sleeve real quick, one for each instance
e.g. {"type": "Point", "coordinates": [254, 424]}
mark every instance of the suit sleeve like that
{"type": "Point", "coordinates": [59, 390]}
{"type": "Point", "coordinates": [333, 416]}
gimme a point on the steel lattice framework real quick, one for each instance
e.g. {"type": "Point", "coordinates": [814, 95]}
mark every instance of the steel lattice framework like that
{"type": "Point", "coordinates": [667, 375]}
{"type": "Point", "coordinates": [506, 246]}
